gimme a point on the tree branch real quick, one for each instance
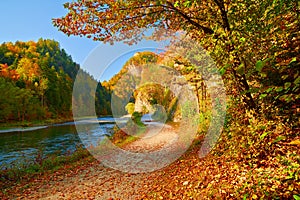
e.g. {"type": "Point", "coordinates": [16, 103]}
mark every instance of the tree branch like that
{"type": "Point", "coordinates": [199, 26]}
{"type": "Point", "coordinates": [220, 4]}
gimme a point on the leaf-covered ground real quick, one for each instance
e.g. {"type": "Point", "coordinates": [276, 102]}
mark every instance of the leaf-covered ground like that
{"type": "Point", "coordinates": [220, 175]}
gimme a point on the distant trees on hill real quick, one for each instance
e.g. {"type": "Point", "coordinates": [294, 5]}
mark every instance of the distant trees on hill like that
{"type": "Point", "coordinates": [36, 80]}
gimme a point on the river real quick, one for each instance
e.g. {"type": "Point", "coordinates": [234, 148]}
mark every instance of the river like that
{"type": "Point", "coordinates": [19, 146]}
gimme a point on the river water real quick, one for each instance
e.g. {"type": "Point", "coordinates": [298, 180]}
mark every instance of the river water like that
{"type": "Point", "coordinates": [19, 146]}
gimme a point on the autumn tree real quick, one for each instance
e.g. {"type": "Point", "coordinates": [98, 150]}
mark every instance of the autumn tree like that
{"type": "Point", "coordinates": [236, 33]}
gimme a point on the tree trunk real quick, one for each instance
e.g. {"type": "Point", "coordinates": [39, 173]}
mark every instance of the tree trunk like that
{"type": "Point", "coordinates": [248, 99]}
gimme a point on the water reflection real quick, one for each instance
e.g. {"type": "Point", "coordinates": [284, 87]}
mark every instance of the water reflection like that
{"type": "Point", "coordinates": [24, 146]}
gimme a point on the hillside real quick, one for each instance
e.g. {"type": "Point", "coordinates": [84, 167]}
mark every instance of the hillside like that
{"type": "Point", "coordinates": [37, 78]}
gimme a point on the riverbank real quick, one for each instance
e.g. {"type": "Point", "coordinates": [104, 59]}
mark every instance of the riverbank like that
{"type": "Point", "coordinates": [83, 168]}
{"type": "Point", "coordinates": [35, 123]}
{"type": "Point", "coordinates": [23, 174]}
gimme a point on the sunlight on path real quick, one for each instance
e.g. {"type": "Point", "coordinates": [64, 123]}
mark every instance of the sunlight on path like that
{"type": "Point", "coordinates": [99, 182]}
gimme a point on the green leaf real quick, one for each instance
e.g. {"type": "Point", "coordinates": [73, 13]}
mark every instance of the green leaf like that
{"type": "Point", "coordinates": [287, 85]}
{"type": "Point", "coordinates": [176, 4]}
{"type": "Point", "coordinates": [295, 88]}
{"type": "Point", "coordinates": [187, 3]}
{"type": "Point", "coordinates": [262, 127]}
{"type": "Point", "coordinates": [269, 90]}
{"type": "Point", "coordinates": [279, 138]}
{"type": "Point", "coordinates": [262, 96]}
{"type": "Point", "coordinates": [251, 90]}
{"type": "Point", "coordinates": [279, 89]}
{"type": "Point", "coordinates": [242, 39]}
{"type": "Point", "coordinates": [287, 97]}
{"type": "Point", "coordinates": [262, 136]}
{"type": "Point", "coordinates": [259, 65]}
{"type": "Point", "coordinates": [284, 77]}
{"type": "Point", "coordinates": [222, 71]}
{"type": "Point", "coordinates": [293, 60]}
{"type": "Point", "coordinates": [297, 81]}
{"type": "Point", "coordinates": [296, 197]}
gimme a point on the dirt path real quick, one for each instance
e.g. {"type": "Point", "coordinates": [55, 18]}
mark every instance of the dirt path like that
{"type": "Point", "coordinates": [157, 136]}
{"type": "Point", "coordinates": [99, 182]}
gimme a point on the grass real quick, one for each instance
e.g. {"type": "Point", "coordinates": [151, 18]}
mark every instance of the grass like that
{"type": "Point", "coordinates": [126, 141]}
{"type": "Point", "coordinates": [26, 171]}
{"type": "Point", "coordinates": [135, 128]}
{"type": "Point", "coordinates": [120, 138]}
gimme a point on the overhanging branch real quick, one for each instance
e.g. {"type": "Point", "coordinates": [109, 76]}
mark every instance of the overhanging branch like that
{"type": "Point", "coordinates": [199, 26]}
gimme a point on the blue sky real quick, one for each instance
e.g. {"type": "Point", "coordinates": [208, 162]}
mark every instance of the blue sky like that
{"type": "Point", "coordinates": [26, 20]}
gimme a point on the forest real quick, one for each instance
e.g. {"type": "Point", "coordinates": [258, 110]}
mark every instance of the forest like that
{"type": "Point", "coordinates": [36, 81]}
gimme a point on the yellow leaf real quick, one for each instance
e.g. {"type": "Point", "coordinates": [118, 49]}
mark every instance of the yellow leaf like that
{"type": "Point", "coordinates": [296, 142]}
